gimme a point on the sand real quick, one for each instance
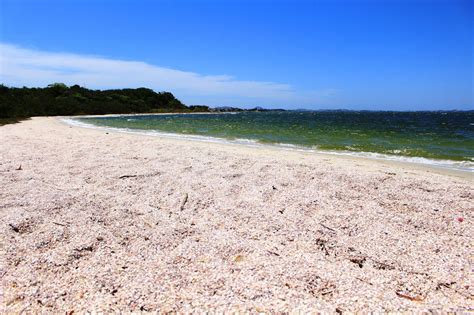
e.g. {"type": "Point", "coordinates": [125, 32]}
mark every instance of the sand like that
{"type": "Point", "coordinates": [97, 221]}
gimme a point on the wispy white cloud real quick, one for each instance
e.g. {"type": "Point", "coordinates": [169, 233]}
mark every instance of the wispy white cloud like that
{"type": "Point", "coordinates": [20, 66]}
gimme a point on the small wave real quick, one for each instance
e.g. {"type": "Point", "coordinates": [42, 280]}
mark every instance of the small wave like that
{"type": "Point", "coordinates": [448, 164]}
{"type": "Point", "coordinates": [77, 123]}
{"type": "Point", "coordinates": [466, 166]}
{"type": "Point", "coordinates": [241, 140]}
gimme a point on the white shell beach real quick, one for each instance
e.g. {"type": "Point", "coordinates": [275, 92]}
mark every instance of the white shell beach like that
{"type": "Point", "coordinates": [105, 221]}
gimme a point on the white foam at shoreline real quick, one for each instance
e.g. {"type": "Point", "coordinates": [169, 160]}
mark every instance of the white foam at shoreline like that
{"type": "Point", "coordinates": [447, 164]}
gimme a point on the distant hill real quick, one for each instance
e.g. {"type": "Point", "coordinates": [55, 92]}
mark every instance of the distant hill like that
{"type": "Point", "coordinates": [58, 99]}
{"type": "Point", "coordinates": [225, 109]}
{"type": "Point", "coordinates": [61, 100]}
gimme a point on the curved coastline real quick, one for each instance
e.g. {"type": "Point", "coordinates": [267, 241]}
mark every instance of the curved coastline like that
{"type": "Point", "coordinates": [463, 166]}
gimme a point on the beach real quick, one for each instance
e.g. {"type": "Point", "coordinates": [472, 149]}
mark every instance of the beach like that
{"type": "Point", "coordinates": [95, 220]}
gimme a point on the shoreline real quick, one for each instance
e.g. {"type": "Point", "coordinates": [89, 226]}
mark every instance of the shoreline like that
{"type": "Point", "coordinates": [98, 221]}
{"type": "Point", "coordinates": [445, 166]}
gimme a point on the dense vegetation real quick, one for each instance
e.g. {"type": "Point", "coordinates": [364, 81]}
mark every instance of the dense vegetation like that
{"type": "Point", "coordinates": [60, 100]}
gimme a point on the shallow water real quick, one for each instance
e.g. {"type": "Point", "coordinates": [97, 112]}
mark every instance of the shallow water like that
{"type": "Point", "coordinates": [431, 135]}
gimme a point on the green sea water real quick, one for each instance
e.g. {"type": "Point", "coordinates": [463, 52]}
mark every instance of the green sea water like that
{"type": "Point", "coordinates": [430, 135]}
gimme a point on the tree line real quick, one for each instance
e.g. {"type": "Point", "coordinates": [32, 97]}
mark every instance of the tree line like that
{"type": "Point", "coordinates": [58, 99]}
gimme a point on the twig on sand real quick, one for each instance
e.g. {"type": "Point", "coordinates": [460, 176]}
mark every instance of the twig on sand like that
{"type": "Point", "coordinates": [127, 176]}
{"type": "Point", "coordinates": [57, 223]}
{"type": "Point", "coordinates": [448, 285]}
{"type": "Point", "coordinates": [417, 298]}
{"type": "Point", "coordinates": [183, 202]}
{"type": "Point", "coordinates": [273, 253]}
{"type": "Point", "coordinates": [360, 279]}
{"type": "Point", "coordinates": [327, 227]}
{"type": "Point", "coordinates": [19, 168]}
{"type": "Point", "coordinates": [139, 175]}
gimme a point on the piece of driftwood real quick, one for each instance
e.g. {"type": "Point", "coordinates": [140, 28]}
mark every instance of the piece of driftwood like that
{"type": "Point", "coordinates": [183, 202]}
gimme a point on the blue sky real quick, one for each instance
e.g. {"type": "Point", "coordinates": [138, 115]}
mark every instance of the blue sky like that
{"type": "Point", "coordinates": [401, 55]}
